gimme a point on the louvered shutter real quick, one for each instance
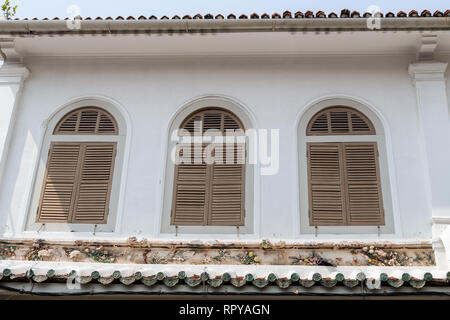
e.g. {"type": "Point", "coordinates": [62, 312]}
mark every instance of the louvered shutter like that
{"type": "Point", "coordinates": [326, 184]}
{"type": "Point", "coordinates": [344, 184]}
{"type": "Point", "coordinates": [59, 185]}
{"type": "Point", "coordinates": [340, 121]}
{"type": "Point", "coordinates": [87, 120]}
{"type": "Point", "coordinates": [77, 182]}
{"type": "Point", "coordinates": [211, 193]}
{"type": "Point", "coordinates": [211, 122]}
{"type": "Point", "coordinates": [94, 183]}
{"type": "Point", "coordinates": [227, 204]}
{"type": "Point", "coordinates": [365, 204]}
{"type": "Point", "coordinates": [190, 189]}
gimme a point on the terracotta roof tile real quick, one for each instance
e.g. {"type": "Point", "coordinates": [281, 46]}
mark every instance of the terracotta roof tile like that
{"type": "Point", "coordinates": [187, 17]}
{"type": "Point", "coordinates": [209, 16]}
{"type": "Point", "coordinates": [425, 13]}
{"type": "Point", "coordinates": [401, 14]}
{"type": "Point", "coordinates": [345, 13]}
{"type": "Point", "coordinates": [287, 15]}
{"type": "Point", "coordinates": [332, 15]}
{"type": "Point", "coordinates": [254, 16]}
{"type": "Point", "coordinates": [276, 16]}
{"type": "Point", "coordinates": [447, 13]}
{"type": "Point", "coordinates": [243, 16]}
{"type": "Point", "coordinates": [265, 16]}
{"type": "Point", "coordinates": [309, 14]}
{"type": "Point", "coordinates": [389, 277]}
{"type": "Point", "coordinates": [355, 14]}
{"type": "Point", "coordinates": [198, 16]}
{"type": "Point", "coordinates": [320, 14]}
{"type": "Point", "coordinates": [299, 15]}
{"type": "Point", "coordinates": [219, 16]}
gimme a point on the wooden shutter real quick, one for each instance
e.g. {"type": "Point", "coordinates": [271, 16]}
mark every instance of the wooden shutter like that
{"type": "Point", "coordinates": [340, 121]}
{"type": "Point", "coordinates": [227, 190]}
{"type": "Point", "coordinates": [365, 203]}
{"type": "Point", "coordinates": [94, 183]}
{"type": "Point", "coordinates": [326, 184]}
{"type": "Point", "coordinates": [59, 187]}
{"type": "Point", "coordinates": [190, 192]}
{"type": "Point", "coordinates": [344, 184]}
{"type": "Point", "coordinates": [211, 193]}
{"type": "Point", "coordinates": [212, 121]}
{"type": "Point", "coordinates": [87, 120]}
{"type": "Point", "coordinates": [77, 182]}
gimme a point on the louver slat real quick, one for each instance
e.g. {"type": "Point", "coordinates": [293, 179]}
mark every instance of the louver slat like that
{"type": "Point", "coordinates": [59, 183]}
{"type": "Point", "coordinates": [212, 123]}
{"type": "Point", "coordinates": [326, 198]}
{"type": "Point", "coordinates": [365, 205]}
{"type": "Point", "coordinates": [92, 203]}
{"type": "Point", "coordinates": [339, 122]}
{"type": "Point", "coordinates": [228, 190]}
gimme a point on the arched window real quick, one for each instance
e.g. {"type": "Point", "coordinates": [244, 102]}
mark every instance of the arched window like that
{"type": "Point", "coordinates": [343, 176]}
{"type": "Point", "coordinates": [79, 171]}
{"type": "Point", "coordinates": [209, 179]}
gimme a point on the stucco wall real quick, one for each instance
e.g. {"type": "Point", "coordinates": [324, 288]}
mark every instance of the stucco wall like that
{"type": "Point", "coordinates": [275, 91]}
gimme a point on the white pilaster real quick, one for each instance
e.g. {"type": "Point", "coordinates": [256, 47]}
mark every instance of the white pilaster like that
{"type": "Point", "coordinates": [12, 77]}
{"type": "Point", "coordinates": [430, 84]}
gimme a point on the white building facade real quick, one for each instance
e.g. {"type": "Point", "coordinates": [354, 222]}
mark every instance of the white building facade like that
{"type": "Point", "coordinates": [274, 75]}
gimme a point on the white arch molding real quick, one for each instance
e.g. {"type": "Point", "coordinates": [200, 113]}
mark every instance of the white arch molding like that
{"type": "Point", "coordinates": [252, 201]}
{"type": "Point", "coordinates": [118, 190]}
{"type": "Point", "coordinates": [392, 226]}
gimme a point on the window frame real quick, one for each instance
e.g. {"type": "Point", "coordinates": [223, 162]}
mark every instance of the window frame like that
{"type": "Point", "coordinates": [209, 168]}
{"type": "Point", "coordinates": [251, 227]}
{"type": "Point", "coordinates": [303, 200]}
{"type": "Point", "coordinates": [31, 223]}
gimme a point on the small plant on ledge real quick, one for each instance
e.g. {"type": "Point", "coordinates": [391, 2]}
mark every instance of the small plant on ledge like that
{"type": "Point", "coordinates": [8, 11]}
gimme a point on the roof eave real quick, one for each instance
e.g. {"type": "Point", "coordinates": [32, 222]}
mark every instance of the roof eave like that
{"type": "Point", "coordinates": [239, 25]}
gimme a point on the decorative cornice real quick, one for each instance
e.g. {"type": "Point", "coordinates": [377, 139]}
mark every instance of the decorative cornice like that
{"type": "Point", "coordinates": [8, 51]}
{"type": "Point", "coordinates": [427, 47]}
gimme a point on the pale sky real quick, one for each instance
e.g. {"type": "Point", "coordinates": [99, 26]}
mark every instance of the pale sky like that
{"type": "Point", "coordinates": [104, 8]}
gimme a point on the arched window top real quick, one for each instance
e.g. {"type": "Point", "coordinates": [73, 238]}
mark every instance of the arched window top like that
{"type": "Point", "coordinates": [87, 120]}
{"type": "Point", "coordinates": [211, 121]}
{"type": "Point", "coordinates": [340, 121]}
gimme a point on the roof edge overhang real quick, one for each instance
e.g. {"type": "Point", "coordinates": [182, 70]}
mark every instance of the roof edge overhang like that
{"type": "Point", "coordinates": [14, 27]}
